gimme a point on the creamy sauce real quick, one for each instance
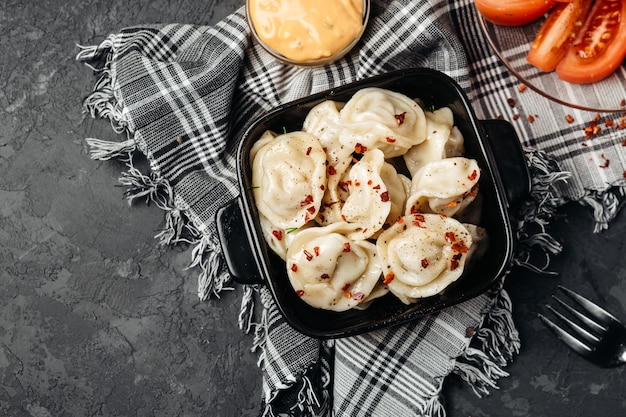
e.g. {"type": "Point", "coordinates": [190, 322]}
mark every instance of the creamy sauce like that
{"type": "Point", "coordinates": [306, 30]}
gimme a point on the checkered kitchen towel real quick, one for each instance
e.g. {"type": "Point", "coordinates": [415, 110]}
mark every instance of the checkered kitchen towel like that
{"type": "Point", "coordinates": [184, 94]}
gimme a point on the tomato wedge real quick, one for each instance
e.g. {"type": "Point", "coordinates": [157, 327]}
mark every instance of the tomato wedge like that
{"type": "Point", "coordinates": [600, 47]}
{"type": "Point", "coordinates": [557, 34]}
{"type": "Point", "coordinates": [513, 12]}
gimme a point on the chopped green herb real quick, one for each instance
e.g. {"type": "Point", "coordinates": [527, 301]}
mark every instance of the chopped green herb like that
{"type": "Point", "coordinates": [291, 229]}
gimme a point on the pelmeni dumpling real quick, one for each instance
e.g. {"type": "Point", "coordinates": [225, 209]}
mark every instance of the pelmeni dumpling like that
{"type": "Point", "coordinates": [446, 186]}
{"type": "Point", "coordinates": [368, 202]}
{"type": "Point", "coordinates": [382, 119]}
{"type": "Point", "coordinates": [330, 271]}
{"type": "Point", "coordinates": [289, 179]}
{"type": "Point", "coordinates": [422, 254]}
{"type": "Point", "coordinates": [439, 143]}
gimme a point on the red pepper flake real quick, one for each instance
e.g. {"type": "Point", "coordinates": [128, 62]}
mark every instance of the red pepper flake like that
{"type": "Point", "coordinates": [347, 294]}
{"type": "Point", "coordinates": [522, 88]}
{"type": "Point", "coordinates": [460, 247]}
{"type": "Point", "coordinates": [389, 277]}
{"type": "Point", "coordinates": [325, 276]}
{"type": "Point", "coordinates": [531, 118]}
{"type": "Point", "coordinates": [400, 118]}
{"type": "Point", "coordinates": [569, 118]}
{"type": "Point", "coordinates": [322, 187]}
{"type": "Point", "coordinates": [311, 210]}
{"type": "Point", "coordinates": [359, 148]}
{"type": "Point", "coordinates": [473, 175]}
{"type": "Point", "coordinates": [415, 209]}
{"type": "Point", "coordinates": [307, 200]}
{"type": "Point", "coordinates": [331, 170]}
{"type": "Point", "coordinates": [278, 234]}
{"type": "Point", "coordinates": [624, 174]}
{"type": "Point", "coordinates": [390, 139]}
{"type": "Point", "coordinates": [294, 267]}
{"type": "Point", "coordinates": [609, 122]}
{"type": "Point", "coordinates": [307, 254]}
{"type": "Point", "coordinates": [358, 296]}
{"type": "Point", "coordinates": [300, 293]}
{"type": "Point", "coordinates": [316, 251]}
{"type": "Point", "coordinates": [345, 287]}
{"type": "Point", "coordinates": [624, 142]}
{"type": "Point", "coordinates": [308, 150]}
{"type": "Point", "coordinates": [346, 247]}
{"type": "Point", "coordinates": [425, 263]}
{"type": "Point", "coordinates": [376, 187]}
{"type": "Point", "coordinates": [384, 196]}
{"type": "Point", "coordinates": [470, 331]}
{"type": "Point", "coordinates": [511, 102]}
{"type": "Point", "coordinates": [515, 116]}
{"type": "Point", "coordinates": [418, 220]}
{"type": "Point", "coordinates": [357, 184]}
{"type": "Point", "coordinates": [606, 161]}
{"type": "Point", "coordinates": [450, 237]}
{"type": "Point", "coordinates": [454, 263]}
{"type": "Point", "coordinates": [451, 204]}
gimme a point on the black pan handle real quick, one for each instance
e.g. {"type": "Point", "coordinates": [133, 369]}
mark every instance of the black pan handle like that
{"type": "Point", "coordinates": [509, 159]}
{"type": "Point", "coordinates": [238, 255]}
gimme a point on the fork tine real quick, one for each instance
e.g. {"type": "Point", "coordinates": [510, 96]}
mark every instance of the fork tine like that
{"type": "Point", "coordinates": [574, 344]}
{"type": "Point", "coordinates": [593, 326]}
{"type": "Point", "coordinates": [593, 309]}
{"type": "Point", "coordinates": [577, 329]}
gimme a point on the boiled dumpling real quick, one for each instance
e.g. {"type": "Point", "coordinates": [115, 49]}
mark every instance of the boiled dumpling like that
{"type": "Point", "coordinates": [368, 202]}
{"type": "Point", "coordinates": [289, 179]}
{"type": "Point", "coordinates": [330, 271]}
{"type": "Point", "coordinates": [439, 143]}
{"type": "Point", "coordinates": [422, 254]}
{"type": "Point", "coordinates": [382, 119]}
{"type": "Point", "coordinates": [446, 186]}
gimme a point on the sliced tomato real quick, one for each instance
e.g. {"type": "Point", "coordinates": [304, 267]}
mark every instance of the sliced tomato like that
{"type": "Point", "coordinates": [513, 12]}
{"type": "Point", "coordinates": [557, 34]}
{"type": "Point", "coordinates": [600, 47]}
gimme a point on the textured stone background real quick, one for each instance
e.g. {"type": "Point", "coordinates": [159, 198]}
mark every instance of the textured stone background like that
{"type": "Point", "coordinates": [97, 320]}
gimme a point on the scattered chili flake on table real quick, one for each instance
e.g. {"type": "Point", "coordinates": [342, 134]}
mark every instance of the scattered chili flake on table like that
{"type": "Point", "coordinates": [515, 116]}
{"type": "Point", "coordinates": [511, 102]}
{"type": "Point", "coordinates": [623, 102]}
{"type": "Point", "coordinates": [531, 118]}
{"type": "Point", "coordinates": [606, 161]}
{"type": "Point", "coordinates": [522, 88]}
{"type": "Point", "coordinates": [569, 118]}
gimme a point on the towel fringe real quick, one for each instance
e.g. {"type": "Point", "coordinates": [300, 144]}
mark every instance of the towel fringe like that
{"type": "Point", "coordinates": [534, 245]}
{"type": "Point", "coordinates": [104, 150]}
{"type": "Point", "coordinates": [434, 407]}
{"type": "Point", "coordinates": [479, 371]}
{"type": "Point", "coordinates": [605, 204]}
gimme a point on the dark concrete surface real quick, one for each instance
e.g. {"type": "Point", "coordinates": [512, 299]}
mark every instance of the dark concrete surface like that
{"type": "Point", "coordinates": [97, 320]}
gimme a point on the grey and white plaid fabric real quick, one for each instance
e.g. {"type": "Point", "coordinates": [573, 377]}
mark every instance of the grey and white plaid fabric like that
{"type": "Point", "coordinates": [184, 95]}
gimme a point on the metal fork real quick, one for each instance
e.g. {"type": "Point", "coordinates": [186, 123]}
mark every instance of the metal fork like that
{"type": "Point", "coordinates": [595, 334]}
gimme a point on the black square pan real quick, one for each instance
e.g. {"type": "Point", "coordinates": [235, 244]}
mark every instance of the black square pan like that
{"type": "Point", "coordinates": [492, 143]}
